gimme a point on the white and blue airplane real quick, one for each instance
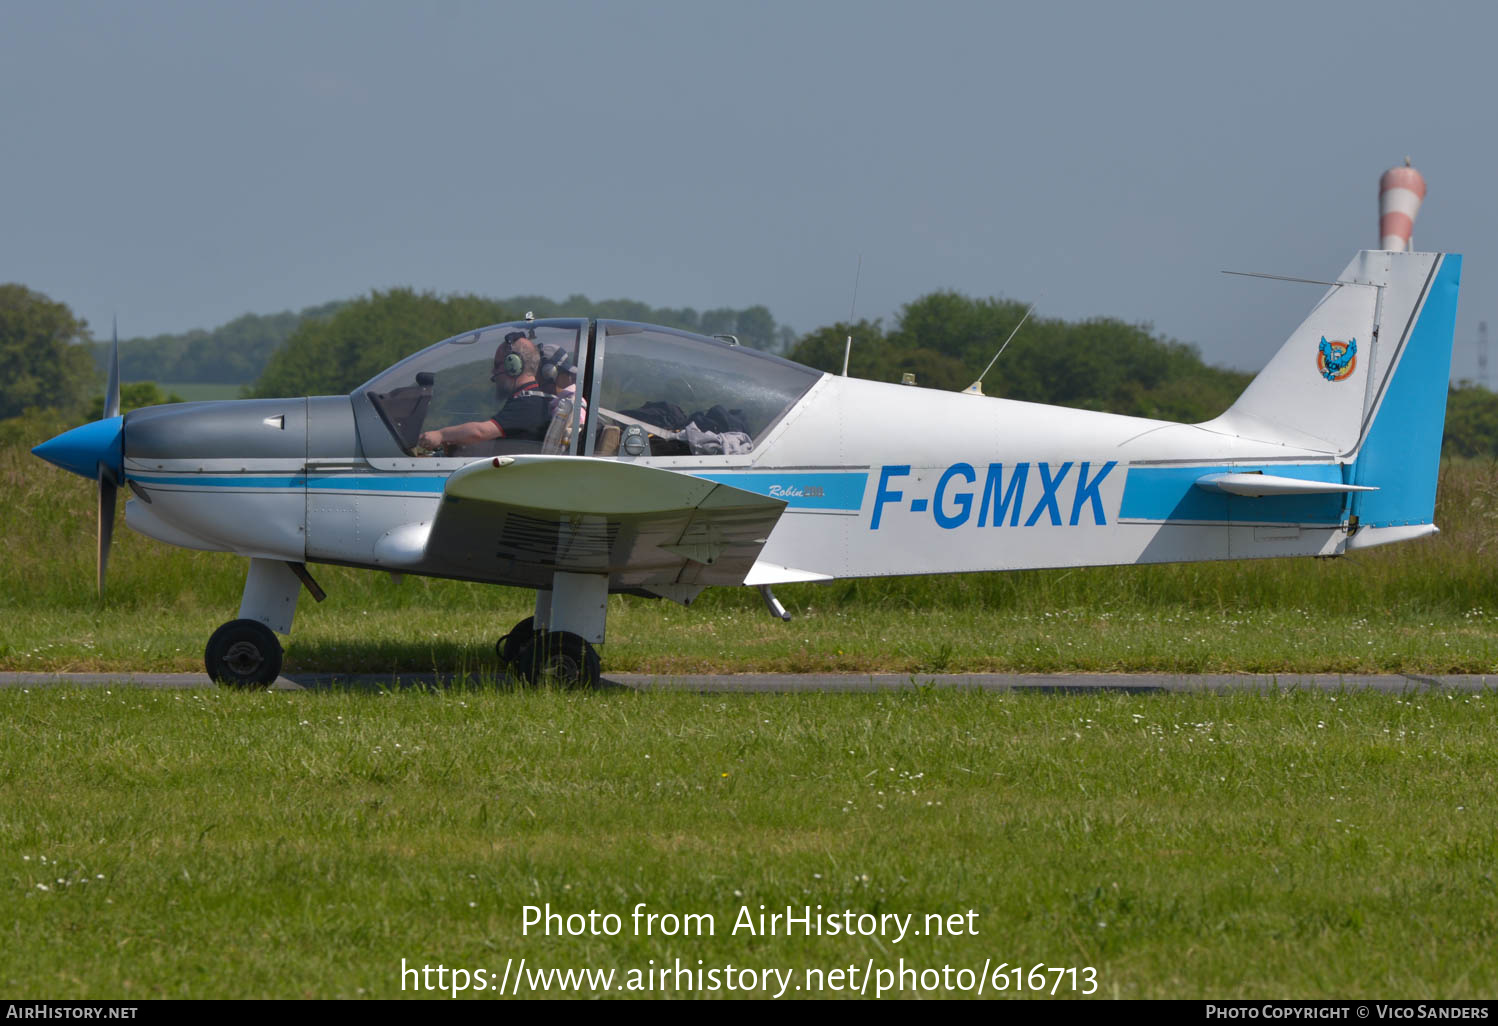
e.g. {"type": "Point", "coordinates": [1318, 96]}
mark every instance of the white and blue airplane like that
{"type": "Point", "coordinates": [694, 462]}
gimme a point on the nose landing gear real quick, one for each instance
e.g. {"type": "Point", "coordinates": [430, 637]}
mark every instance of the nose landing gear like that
{"type": "Point", "coordinates": [243, 653]}
{"type": "Point", "coordinates": [246, 652]}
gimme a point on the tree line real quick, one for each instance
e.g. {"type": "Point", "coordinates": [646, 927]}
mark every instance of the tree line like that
{"type": "Point", "coordinates": [49, 359]}
{"type": "Point", "coordinates": [238, 352]}
{"type": "Point", "coordinates": [332, 355]}
{"type": "Point", "coordinates": [234, 353]}
{"type": "Point", "coordinates": [945, 340]}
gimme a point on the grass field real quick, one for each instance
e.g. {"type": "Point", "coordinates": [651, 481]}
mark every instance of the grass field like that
{"type": "Point", "coordinates": [212, 843]}
{"type": "Point", "coordinates": [229, 844]}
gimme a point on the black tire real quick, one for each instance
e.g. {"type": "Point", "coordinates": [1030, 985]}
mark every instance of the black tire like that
{"type": "Point", "coordinates": [558, 656]}
{"type": "Point", "coordinates": [508, 646]}
{"type": "Point", "coordinates": [243, 653]}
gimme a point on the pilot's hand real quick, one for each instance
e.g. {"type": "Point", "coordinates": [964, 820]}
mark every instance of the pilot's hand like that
{"type": "Point", "coordinates": [431, 440]}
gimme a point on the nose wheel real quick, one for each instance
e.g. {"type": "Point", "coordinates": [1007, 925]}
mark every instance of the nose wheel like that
{"type": "Point", "coordinates": [243, 653]}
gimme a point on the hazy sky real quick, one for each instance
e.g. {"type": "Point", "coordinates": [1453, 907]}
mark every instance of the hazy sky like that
{"type": "Point", "coordinates": [182, 163]}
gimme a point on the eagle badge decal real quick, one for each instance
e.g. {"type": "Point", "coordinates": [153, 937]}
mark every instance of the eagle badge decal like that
{"type": "Point", "coordinates": [1337, 360]}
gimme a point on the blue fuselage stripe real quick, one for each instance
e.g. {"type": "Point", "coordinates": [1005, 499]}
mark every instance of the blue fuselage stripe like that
{"type": "Point", "coordinates": [385, 483]}
{"type": "Point", "coordinates": [819, 490]}
{"type": "Point", "coordinates": [259, 482]}
{"type": "Point", "coordinates": [1170, 493]}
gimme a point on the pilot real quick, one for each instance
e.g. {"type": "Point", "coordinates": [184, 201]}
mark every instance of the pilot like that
{"type": "Point", "coordinates": [526, 411]}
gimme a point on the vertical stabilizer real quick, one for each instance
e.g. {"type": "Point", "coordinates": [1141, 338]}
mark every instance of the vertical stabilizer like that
{"type": "Point", "coordinates": [1321, 389]}
{"type": "Point", "coordinates": [1364, 380]}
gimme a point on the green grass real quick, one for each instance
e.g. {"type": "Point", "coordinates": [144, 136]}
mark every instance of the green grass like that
{"type": "Point", "coordinates": [220, 844]}
{"type": "Point", "coordinates": [1423, 607]}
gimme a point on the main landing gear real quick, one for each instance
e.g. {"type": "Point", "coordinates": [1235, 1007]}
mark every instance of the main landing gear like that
{"type": "Point", "coordinates": [559, 656]}
{"type": "Point", "coordinates": [556, 643]}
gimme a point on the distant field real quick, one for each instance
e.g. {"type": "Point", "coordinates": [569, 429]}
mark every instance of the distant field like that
{"type": "Point", "coordinates": [221, 844]}
{"type": "Point", "coordinates": [197, 391]}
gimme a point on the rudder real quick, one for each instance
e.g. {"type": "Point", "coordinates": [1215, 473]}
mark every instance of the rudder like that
{"type": "Point", "coordinates": [1400, 452]}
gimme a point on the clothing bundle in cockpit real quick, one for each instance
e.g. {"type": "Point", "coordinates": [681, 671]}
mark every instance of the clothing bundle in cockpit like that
{"type": "Point", "coordinates": [711, 432]}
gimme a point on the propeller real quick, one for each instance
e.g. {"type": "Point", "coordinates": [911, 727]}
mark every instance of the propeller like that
{"type": "Point", "coordinates": [108, 482]}
{"type": "Point", "coordinates": [107, 491]}
{"type": "Point", "coordinates": [96, 451]}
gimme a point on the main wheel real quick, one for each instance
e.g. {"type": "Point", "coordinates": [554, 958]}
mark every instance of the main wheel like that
{"type": "Point", "coordinates": [243, 653]}
{"type": "Point", "coordinates": [508, 646]}
{"type": "Point", "coordinates": [559, 656]}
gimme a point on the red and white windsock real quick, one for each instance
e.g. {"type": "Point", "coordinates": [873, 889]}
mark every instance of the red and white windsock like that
{"type": "Point", "coordinates": [1400, 191]}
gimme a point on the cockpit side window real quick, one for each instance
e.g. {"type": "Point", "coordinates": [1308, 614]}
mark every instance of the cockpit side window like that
{"type": "Point", "coordinates": [671, 393]}
{"type": "Point", "coordinates": [455, 383]}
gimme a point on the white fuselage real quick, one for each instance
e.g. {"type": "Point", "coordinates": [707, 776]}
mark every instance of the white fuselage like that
{"type": "Point", "coordinates": [878, 479]}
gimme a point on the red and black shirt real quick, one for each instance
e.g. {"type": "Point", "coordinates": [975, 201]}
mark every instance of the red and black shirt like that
{"type": "Point", "coordinates": [526, 414]}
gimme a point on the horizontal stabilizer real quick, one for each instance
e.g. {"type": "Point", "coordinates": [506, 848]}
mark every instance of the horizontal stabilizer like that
{"type": "Point", "coordinates": [1368, 537]}
{"type": "Point", "coordinates": [1268, 484]}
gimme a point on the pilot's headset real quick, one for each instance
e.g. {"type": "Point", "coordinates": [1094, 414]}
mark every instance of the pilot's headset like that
{"type": "Point", "coordinates": [512, 364]}
{"type": "Point", "coordinates": [552, 364]}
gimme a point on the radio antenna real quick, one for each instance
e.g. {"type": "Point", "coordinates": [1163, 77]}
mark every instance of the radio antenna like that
{"type": "Point", "coordinates": [976, 388]}
{"type": "Point", "coordinates": [848, 348]}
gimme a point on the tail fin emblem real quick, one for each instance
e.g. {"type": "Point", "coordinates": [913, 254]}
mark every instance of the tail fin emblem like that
{"type": "Point", "coordinates": [1337, 360]}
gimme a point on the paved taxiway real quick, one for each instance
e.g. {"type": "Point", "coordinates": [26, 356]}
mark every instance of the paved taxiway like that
{"type": "Point", "coordinates": [793, 682]}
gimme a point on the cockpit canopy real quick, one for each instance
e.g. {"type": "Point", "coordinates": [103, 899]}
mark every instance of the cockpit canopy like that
{"type": "Point", "coordinates": [646, 390]}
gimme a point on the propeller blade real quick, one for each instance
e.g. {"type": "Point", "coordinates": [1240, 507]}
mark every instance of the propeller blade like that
{"type": "Point", "coordinates": [107, 491]}
{"type": "Point", "coordinates": [112, 393]}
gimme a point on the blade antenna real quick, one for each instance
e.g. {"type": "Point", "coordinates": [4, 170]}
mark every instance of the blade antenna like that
{"type": "Point", "coordinates": [112, 392]}
{"type": "Point", "coordinates": [976, 388]}
{"type": "Point", "coordinates": [848, 348]}
{"type": "Point", "coordinates": [1285, 277]}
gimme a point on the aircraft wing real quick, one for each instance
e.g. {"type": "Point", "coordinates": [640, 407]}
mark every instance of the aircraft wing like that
{"type": "Point", "coordinates": [521, 518]}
